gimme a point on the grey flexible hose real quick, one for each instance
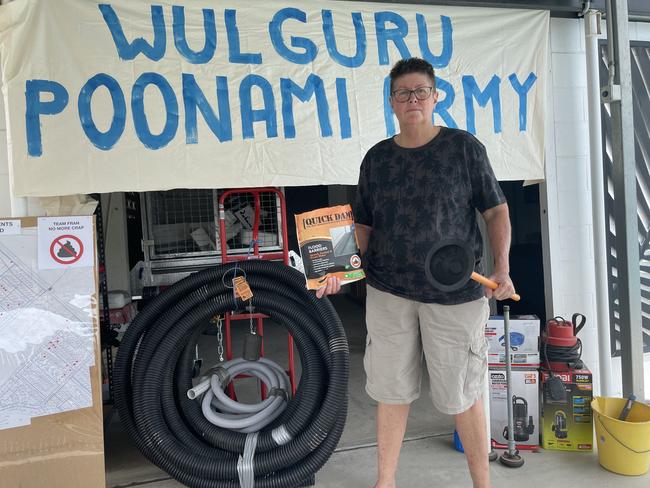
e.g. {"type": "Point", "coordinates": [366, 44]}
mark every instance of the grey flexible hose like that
{"type": "Point", "coordinates": [221, 410]}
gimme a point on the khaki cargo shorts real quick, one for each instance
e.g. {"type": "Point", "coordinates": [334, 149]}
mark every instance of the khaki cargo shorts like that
{"type": "Point", "coordinates": [451, 338]}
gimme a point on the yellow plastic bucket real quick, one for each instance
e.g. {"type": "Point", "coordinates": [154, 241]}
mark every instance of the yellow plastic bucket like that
{"type": "Point", "coordinates": [623, 446]}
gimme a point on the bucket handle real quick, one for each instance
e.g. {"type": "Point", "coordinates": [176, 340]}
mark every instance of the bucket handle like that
{"type": "Point", "coordinates": [618, 440]}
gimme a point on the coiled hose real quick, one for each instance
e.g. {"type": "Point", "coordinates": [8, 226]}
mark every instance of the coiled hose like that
{"type": "Point", "coordinates": [243, 417]}
{"type": "Point", "coordinates": [153, 372]}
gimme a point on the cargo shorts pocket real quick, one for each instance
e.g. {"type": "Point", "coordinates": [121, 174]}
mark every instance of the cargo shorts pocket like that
{"type": "Point", "coordinates": [367, 356]}
{"type": "Point", "coordinates": [476, 365]}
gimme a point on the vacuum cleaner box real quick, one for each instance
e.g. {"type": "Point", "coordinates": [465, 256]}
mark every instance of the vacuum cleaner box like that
{"type": "Point", "coordinates": [524, 341]}
{"type": "Point", "coordinates": [525, 407]}
{"type": "Point", "coordinates": [567, 422]}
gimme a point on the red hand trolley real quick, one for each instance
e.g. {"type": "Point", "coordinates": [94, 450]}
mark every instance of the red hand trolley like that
{"type": "Point", "coordinates": [256, 251]}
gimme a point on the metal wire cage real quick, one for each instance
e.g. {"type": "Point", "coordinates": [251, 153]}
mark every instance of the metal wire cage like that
{"type": "Point", "coordinates": [179, 223]}
{"type": "Point", "coordinates": [184, 223]}
{"type": "Point", "coordinates": [253, 218]}
{"type": "Point", "coordinates": [181, 231]}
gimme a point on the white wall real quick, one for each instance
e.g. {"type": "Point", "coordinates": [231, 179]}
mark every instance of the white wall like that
{"type": "Point", "coordinates": [5, 199]}
{"type": "Point", "coordinates": [566, 199]}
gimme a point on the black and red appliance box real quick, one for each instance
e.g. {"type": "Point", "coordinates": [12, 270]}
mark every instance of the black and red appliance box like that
{"type": "Point", "coordinates": [567, 421]}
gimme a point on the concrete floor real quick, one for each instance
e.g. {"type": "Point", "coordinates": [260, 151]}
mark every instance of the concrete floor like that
{"type": "Point", "coordinates": [427, 460]}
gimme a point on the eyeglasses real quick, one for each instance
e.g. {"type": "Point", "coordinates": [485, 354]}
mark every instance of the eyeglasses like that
{"type": "Point", "coordinates": [421, 93]}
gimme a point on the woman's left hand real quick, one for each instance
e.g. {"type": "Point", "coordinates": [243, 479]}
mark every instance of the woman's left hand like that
{"type": "Point", "coordinates": [332, 287]}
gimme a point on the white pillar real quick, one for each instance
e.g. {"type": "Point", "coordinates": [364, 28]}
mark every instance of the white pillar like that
{"type": "Point", "coordinates": [592, 31]}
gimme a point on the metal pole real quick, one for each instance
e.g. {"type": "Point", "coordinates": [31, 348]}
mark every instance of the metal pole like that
{"type": "Point", "coordinates": [625, 207]}
{"type": "Point", "coordinates": [592, 30]}
{"type": "Point", "coordinates": [511, 422]}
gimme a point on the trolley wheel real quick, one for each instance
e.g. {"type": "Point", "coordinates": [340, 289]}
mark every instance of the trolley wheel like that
{"type": "Point", "coordinates": [493, 455]}
{"type": "Point", "coordinates": [511, 460]}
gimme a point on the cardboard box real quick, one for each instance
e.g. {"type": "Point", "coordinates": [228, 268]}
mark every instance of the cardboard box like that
{"type": "Point", "coordinates": [567, 424]}
{"type": "Point", "coordinates": [524, 341]}
{"type": "Point", "coordinates": [525, 403]}
{"type": "Point", "coordinates": [60, 450]}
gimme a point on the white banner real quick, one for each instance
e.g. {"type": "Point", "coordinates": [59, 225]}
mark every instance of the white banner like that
{"type": "Point", "coordinates": [152, 95]}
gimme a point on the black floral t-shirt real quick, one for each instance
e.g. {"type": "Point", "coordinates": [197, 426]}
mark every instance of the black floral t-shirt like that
{"type": "Point", "coordinates": [415, 197]}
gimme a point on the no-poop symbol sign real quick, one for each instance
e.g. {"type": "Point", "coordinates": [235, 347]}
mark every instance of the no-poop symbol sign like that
{"type": "Point", "coordinates": [66, 249]}
{"type": "Point", "coordinates": [66, 242]}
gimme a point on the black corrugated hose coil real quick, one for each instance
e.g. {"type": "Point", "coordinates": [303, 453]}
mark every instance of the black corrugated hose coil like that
{"type": "Point", "coordinates": [153, 372]}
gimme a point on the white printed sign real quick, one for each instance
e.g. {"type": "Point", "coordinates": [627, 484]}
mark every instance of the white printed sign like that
{"type": "Point", "coordinates": [9, 227]}
{"type": "Point", "coordinates": [65, 242]}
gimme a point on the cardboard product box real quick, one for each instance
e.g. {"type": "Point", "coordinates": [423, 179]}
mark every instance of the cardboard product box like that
{"type": "Point", "coordinates": [567, 423]}
{"type": "Point", "coordinates": [524, 341]}
{"type": "Point", "coordinates": [63, 448]}
{"type": "Point", "coordinates": [525, 404]}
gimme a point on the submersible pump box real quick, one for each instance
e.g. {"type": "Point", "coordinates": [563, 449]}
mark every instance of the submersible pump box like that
{"type": "Point", "coordinates": [567, 421]}
{"type": "Point", "coordinates": [524, 398]}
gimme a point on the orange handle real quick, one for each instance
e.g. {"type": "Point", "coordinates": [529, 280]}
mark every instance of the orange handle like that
{"type": "Point", "coordinates": [491, 284]}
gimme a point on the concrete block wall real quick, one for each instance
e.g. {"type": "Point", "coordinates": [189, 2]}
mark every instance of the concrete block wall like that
{"type": "Point", "coordinates": [5, 199]}
{"type": "Point", "coordinates": [5, 196]}
{"type": "Point", "coordinates": [566, 193]}
{"type": "Point", "coordinates": [566, 203]}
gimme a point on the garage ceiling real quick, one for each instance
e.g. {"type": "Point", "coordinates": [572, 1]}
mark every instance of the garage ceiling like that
{"type": "Point", "coordinates": [560, 8]}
